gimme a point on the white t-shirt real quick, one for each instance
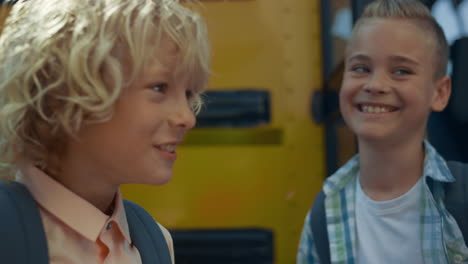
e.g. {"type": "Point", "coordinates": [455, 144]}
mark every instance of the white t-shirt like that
{"type": "Point", "coordinates": [389, 231]}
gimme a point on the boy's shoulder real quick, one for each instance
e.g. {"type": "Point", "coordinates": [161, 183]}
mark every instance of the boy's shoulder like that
{"type": "Point", "coordinates": [342, 177]}
{"type": "Point", "coordinates": [147, 235]}
{"type": "Point", "coordinates": [456, 195]}
{"type": "Point", "coordinates": [22, 226]}
{"type": "Point", "coordinates": [434, 166]}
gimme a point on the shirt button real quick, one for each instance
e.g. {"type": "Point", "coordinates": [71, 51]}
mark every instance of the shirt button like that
{"type": "Point", "coordinates": [109, 226]}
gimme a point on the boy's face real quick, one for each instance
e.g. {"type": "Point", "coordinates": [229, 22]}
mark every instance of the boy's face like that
{"type": "Point", "coordinates": [150, 119]}
{"type": "Point", "coordinates": [388, 87]}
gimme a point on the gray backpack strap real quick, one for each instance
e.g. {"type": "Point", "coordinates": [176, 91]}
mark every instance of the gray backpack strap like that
{"type": "Point", "coordinates": [146, 235]}
{"type": "Point", "coordinates": [22, 236]}
{"type": "Point", "coordinates": [318, 225]}
{"type": "Point", "coordinates": [456, 196]}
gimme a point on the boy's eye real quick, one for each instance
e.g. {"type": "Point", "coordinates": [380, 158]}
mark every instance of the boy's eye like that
{"type": "Point", "coordinates": [402, 72]}
{"type": "Point", "coordinates": [360, 69]}
{"type": "Point", "coordinates": [189, 94]}
{"type": "Point", "coordinates": [160, 87]}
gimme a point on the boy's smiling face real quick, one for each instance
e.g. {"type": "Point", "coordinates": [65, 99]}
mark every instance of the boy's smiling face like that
{"type": "Point", "coordinates": [389, 87]}
{"type": "Point", "coordinates": [150, 119]}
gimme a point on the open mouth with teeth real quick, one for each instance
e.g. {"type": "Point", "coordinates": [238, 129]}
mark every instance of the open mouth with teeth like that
{"type": "Point", "coordinates": [167, 148]}
{"type": "Point", "coordinates": [376, 109]}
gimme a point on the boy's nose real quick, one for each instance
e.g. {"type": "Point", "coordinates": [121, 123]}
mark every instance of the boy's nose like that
{"type": "Point", "coordinates": [376, 85]}
{"type": "Point", "coordinates": [183, 116]}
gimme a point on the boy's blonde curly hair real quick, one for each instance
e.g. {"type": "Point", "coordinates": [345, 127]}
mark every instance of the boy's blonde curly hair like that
{"type": "Point", "coordinates": [53, 55]}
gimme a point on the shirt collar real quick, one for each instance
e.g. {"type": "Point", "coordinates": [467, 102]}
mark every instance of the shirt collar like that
{"type": "Point", "coordinates": [342, 176]}
{"type": "Point", "coordinates": [435, 168]}
{"type": "Point", "coordinates": [70, 208]}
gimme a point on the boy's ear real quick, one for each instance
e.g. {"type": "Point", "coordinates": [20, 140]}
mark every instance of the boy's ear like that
{"type": "Point", "coordinates": [442, 93]}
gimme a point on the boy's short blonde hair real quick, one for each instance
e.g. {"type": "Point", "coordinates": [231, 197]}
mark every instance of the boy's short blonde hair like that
{"type": "Point", "coordinates": [52, 57]}
{"type": "Point", "coordinates": [417, 12]}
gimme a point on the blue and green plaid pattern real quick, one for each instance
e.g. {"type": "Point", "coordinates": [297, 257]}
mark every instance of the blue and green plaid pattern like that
{"type": "Point", "coordinates": [441, 239]}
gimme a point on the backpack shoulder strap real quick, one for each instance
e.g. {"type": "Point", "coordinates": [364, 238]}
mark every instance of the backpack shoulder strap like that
{"type": "Point", "coordinates": [318, 225]}
{"type": "Point", "coordinates": [22, 235]}
{"type": "Point", "coordinates": [456, 196]}
{"type": "Point", "coordinates": [456, 202]}
{"type": "Point", "coordinates": [146, 235]}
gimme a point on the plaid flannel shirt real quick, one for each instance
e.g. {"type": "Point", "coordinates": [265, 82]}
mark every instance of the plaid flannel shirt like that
{"type": "Point", "coordinates": [441, 239]}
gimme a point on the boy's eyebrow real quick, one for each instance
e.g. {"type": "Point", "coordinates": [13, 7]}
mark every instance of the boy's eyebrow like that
{"type": "Point", "coordinates": [393, 58]}
{"type": "Point", "coordinates": [159, 71]}
{"type": "Point", "coordinates": [358, 57]}
{"type": "Point", "coordinates": [403, 59]}
{"type": "Point", "coordinates": [162, 73]}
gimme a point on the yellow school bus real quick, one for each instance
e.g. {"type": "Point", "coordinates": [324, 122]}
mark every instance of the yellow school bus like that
{"type": "Point", "coordinates": [241, 190]}
{"type": "Point", "coordinates": [236, 179]}
{"type": "Point", "coordinates": [268, 137]}
{"type": "Point", "coordinates": [246, 178]}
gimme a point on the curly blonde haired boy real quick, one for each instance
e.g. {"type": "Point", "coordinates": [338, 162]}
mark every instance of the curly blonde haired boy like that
{"type": "Point", "coordinates": [95, 94]}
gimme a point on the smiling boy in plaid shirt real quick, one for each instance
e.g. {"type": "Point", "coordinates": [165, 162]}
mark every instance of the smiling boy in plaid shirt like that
{"type": "Point", "coordinates": [386, 204]}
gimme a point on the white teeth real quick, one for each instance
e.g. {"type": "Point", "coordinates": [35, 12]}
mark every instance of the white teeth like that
{"type": "Point", "coordinates": [374, 109]}
{"type": "Point", "coordinates": [168, 147]}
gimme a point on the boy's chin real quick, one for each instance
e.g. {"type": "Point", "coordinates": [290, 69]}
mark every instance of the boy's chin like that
{"type": "Point", "coordinates": [374, 137]}
{"type": "Point", "coordinates": [162, 180]}
{"type": "Point", "coordinates": [157, 179]}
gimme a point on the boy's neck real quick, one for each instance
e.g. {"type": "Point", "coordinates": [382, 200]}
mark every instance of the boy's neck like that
{"type": "Point", "coordinates": [88, 186]}
{"type": "Point", "coordinates": [388, 171]}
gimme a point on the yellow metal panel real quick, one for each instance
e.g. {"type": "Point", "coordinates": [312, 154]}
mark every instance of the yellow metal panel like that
{"type": "Point", "coordinates": [272, 45]}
